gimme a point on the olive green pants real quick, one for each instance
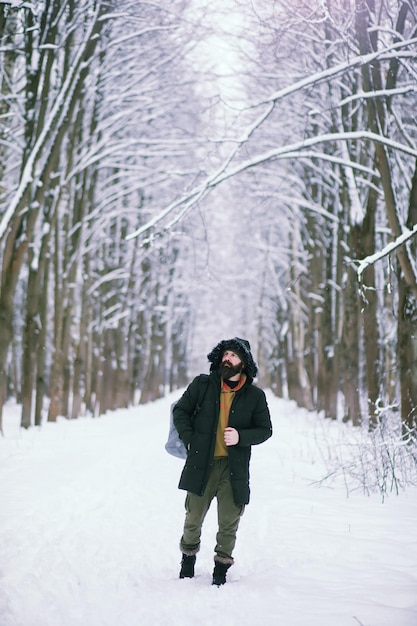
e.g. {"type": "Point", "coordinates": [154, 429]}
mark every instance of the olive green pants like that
{"type": "Point", "coordinates": [228, 514]}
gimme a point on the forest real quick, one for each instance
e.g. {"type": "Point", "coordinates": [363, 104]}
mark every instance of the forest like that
{"type": "Point", "coordinates": [175, 171]}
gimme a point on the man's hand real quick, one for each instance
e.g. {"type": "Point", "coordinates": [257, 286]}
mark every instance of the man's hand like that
{"type": "Point", "coordinates": [231, 436]}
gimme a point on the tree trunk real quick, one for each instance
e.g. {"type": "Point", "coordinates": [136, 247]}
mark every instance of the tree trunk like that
{"type": "Point", "coordinates": [41, 386]}
{"type": "Point", "coordinates": [407, 331]}
{"type": "Point", "coordinates": [350, 343]}
{"type": "Point", "coordinates": [153, 384]}
{"type": "Point", "coordinates": [407, 280]}
{"type": "Point", "coordinates": [30, 344]}
{"type": "Point", "coordinates": [407, 357]}
{"type": "Point", "coordinates": [80, 360]}
{"type": "Point", "coordinates": [369, 311]}
{"type": "Point", "coordinates": [299, 383]}
{"type": "Point", "coordinates": [55, 378]}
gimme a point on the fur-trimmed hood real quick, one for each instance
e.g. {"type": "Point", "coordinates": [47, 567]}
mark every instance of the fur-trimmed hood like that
{"type": "Point", "coordinates": [242, 348]}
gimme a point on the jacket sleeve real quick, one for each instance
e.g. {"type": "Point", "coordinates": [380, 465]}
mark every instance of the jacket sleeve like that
{"type": "Point", "coordinates": [261, 427]}
{"type": "Point", "coordinates": [184, 412]}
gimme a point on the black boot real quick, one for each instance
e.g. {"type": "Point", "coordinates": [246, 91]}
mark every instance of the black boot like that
{"type": "Point", "coordinates": [187, 566]}
{"type": "Point", "coordinates": [219, 573]}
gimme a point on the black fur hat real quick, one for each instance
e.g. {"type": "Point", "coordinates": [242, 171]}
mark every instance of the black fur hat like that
{"type": "Point", "coordinates": [242, 348]}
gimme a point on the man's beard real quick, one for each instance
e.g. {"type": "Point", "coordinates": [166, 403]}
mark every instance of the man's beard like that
{"type": "Point", "coordinates": [227, 370]}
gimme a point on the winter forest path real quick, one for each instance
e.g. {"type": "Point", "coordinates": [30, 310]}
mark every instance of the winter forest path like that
{"type": "Point", "coordinates": [91, 519]}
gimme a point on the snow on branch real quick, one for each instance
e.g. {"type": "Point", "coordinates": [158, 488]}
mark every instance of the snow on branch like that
{"type": "Point", "coordinates": [362, 95]}
{"type": "Point", "coordinates": [49, 130]}
{"type": "Point", "coordinates": [383, 54]}
{"type": "Point", "coordinates": [287, 151]}
{"type": "Point", "coordinates": [388, 249]}
{"type": "Point", "coordinates": [19, 4]}
{"type": "Point", "coordinates": [117, 274]}
{"type": "Point", "coordinates": [302, 203]}
{"type": "Point", "coordinates": [138, 33]}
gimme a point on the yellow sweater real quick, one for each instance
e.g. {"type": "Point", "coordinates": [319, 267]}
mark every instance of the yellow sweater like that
{"type": "Point", "coordinates": [226, 398]}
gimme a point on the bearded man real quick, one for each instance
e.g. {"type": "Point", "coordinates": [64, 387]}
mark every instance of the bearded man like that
{"type": "Point", "coordinates": [218, 433]}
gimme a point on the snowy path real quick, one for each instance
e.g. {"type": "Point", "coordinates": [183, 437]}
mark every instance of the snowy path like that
{"type": "Point", "coordinates": [91, 519]}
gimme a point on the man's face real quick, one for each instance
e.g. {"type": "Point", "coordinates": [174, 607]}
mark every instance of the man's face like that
{"type": "Point", "coordinates": [230, 365]}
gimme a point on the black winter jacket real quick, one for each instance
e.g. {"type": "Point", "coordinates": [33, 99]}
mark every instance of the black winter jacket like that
{"type": "Point", "coordinates": [249, 415]}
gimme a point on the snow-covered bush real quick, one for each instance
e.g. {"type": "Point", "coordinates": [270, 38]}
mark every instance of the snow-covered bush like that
{"type": "Point", "coordinates": [382, 460]}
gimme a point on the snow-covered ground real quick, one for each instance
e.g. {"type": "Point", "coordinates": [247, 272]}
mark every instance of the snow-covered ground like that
{"type": "Point", "coordinates": [91, 519]}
